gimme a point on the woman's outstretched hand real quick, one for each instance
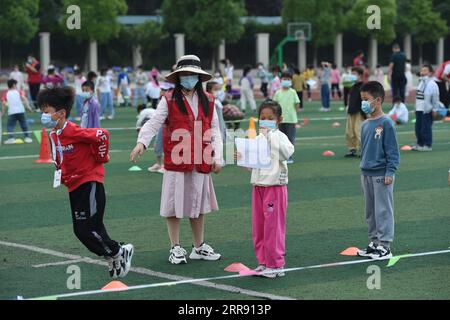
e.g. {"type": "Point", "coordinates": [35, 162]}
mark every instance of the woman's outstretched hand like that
{"type": "Point", "coordinates": [137, 152]}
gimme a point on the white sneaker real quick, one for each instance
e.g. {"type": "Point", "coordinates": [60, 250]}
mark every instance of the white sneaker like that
{"type": "Point", "coordinates": [381, 253]}
{"type": "Point", "coordinates": [155, 168]}
{"type": "Point", "coordinates": [177, 255]}
{"type": "Point", "coordinates": [10, 141]}
{"type": "Point", "coordinates": [260, 268]}
{"type": "Point", "coordinates": [114, 266]}
{"type": "Point", "coordinates": [417, 148]}
{"type": "Point", "coordinates": [426, 149]}
{"type": "Point", "coordinates": [125, 259]}
{"type": "Point", "coordinates": [110, 117]}
{"type": "Point", "coordinates": [102, 118]}
{"type": "Point", "coordinates": [273, 273]}
{"type": "Point", "coordinates": [366, 253]}
{"type": "Point", "coordinates": [120, 265]}
{"type": "Point", "coordinates": [204, 252]}
{"type": "Point", "coordinates": [28, 140]}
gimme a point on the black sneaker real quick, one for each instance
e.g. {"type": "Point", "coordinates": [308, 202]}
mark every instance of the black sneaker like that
{"type": "Point", "coordinates": [366, 253]}
{"type": "Point", "coordinates": [381, 253]}
{"type": "Point", "coordinates": [351, 154]}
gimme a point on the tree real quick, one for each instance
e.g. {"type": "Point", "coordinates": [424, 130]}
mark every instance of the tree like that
{"type": "Point", "coordinates": [148, 36]}
{"type": "Point", "coordinates": [98, 19]}
{"type": "Point", "coordinates": [418, 18]}
{"type": "Point", "coordinates": [443, 7]}
{"type": "Point", "coordinates": [98, 22]}
{"type": "Point", "coordinates": [50, 12]}
{"type": "Point", "coordinates": [357, 19]}
{"type": "Point", "coordinates": [18, 20]}
{"type": "Point", "coordinates": [206, 22]}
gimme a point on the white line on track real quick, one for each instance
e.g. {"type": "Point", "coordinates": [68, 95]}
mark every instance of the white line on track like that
{"type": "Point", "coordinates": [61, 263]}
{"type": "Point", "coordinates": [176, 279]}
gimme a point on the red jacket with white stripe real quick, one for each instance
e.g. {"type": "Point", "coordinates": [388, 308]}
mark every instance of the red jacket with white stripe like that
{"type": "Point", "coordinates": [84, 153]}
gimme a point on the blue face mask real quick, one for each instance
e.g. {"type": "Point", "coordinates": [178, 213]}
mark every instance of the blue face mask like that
{"type": "Point", "coordinates": [269, 124]}
{"type": "Point", "coordinates": [366, 107]}
{"type": "Point", "coordinates": [286, 83]}
{"type": "Point", "coordinates": [189, 82]}
{"type": "Point", "coordinates": [87, 95]}
{"type": "Point", "coordinates": [47, 121]}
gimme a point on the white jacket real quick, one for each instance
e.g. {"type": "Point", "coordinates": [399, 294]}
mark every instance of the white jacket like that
{"type": "Point", "coordinates": [281, 149]}
{"type": "Point", "coordinates": [427, 99]}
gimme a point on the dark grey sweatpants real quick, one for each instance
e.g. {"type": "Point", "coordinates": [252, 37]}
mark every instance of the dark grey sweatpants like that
{"type": "Point", "coordinates": [379, 200]}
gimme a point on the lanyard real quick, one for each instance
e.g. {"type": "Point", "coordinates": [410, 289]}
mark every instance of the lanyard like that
{"type": "Point", "coordinates": [58, 148]}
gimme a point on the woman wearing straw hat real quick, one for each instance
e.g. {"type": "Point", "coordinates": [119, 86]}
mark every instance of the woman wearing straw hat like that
{"type": "Point", "coordinates": [192, 150]}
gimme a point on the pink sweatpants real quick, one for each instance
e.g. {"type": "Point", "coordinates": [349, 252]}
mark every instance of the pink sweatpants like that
{"type": "Point", "coordinates": [269, 206]}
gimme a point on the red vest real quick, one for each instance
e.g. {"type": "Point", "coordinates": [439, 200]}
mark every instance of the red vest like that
{"type": "Point", "coordinates": [188, 141]}
{"type": "Point", "coordinates": [440, 71]}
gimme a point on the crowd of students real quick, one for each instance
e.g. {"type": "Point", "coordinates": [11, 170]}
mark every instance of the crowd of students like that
{"type": "Point", "coordinates": [172, 106]}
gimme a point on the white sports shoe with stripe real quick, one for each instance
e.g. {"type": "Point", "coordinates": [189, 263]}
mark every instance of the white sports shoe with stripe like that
{"type": "Point", "coordinates": [273, 273]}
{"type": "Point", "coordinates": [177, 255]}
{"type": "Point", "coordinates": [204, 252]}
{"type": "Point", "coordinates": [120, 266]}
{"type": "Point", "coordinates": [127, 255]}
{"type": "Point", "coordinates": [381, 253]}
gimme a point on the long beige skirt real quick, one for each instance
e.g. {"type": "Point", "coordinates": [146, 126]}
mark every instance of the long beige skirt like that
{"type": "Point", "coordinates": [187, 195]}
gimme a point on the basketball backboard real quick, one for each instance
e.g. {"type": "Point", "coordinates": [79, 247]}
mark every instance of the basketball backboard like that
{"type": "Point", "coordinates": [299, 31]}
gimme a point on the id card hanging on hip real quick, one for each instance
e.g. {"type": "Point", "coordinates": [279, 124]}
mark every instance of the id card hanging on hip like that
{"type": "Point", "coordinates": [57, 180]}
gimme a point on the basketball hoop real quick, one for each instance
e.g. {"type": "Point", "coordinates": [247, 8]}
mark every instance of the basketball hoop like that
{"type": "Point", "coordinates": [299, 31]}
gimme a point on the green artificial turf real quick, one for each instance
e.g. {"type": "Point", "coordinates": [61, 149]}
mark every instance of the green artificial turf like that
{"type": "Point", "coordinates": [325, 216]}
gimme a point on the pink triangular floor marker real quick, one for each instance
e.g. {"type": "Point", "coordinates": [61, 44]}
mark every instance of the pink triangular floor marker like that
{"type": "Point", "coordinates": [115, 285]}
{"type": "Point", "coordinates": [236, 267]}
{"type": "Point", "coordinates": [406, 148]}
{"type": "Point", "coordinates": [352, 251]}
{"type": "Point", "coordinates": [328, 153]}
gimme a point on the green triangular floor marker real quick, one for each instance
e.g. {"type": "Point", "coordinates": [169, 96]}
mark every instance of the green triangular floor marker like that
{"type": "Point", "coordinates": [38, 135]}
{"type": "Point", "coordinates": [395, 259]}
{"type": "Point", "coordinates": [135, 168]}
{"type": "Point", "coordinates": [46, 298]}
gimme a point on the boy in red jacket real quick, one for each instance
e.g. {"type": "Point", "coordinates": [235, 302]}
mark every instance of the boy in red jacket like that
{"type": "Point", "coordinates": [79, 155]}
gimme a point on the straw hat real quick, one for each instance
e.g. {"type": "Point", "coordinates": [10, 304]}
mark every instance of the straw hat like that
{"type": "Point", "coordinates": [189, 63]}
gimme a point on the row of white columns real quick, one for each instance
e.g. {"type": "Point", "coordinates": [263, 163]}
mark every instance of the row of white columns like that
{"type": "Point", "coordinates": [44, 38]}
{"type": "Point", "coordinates": [262, 51]}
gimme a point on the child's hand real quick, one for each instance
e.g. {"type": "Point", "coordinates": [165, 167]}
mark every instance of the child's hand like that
{"type": "Point", "coordinates": [137, 151]}
{"type": "Point", "coordinates": [388, 181]}
{"type": "Point", "coordinates": [237, 156]}
{"type": "Point", "coordinates": [216, 168]}
{"type": "Point", "coordinates": [263, 131]}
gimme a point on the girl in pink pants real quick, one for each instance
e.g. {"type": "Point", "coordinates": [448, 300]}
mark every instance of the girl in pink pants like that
{"type": "Point", "coordinates": [270, 196]}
